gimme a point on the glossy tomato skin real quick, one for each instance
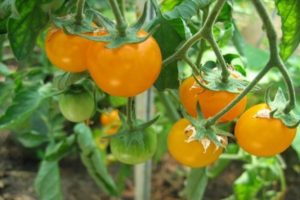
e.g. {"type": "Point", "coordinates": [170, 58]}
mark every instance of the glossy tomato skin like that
{"type": "Point", "coordinates": [190, 154]}
{"type": "Point", "coordinates": [134, 148]}
{"type": "Point", "coordinates": [127, 70]}
{"type": "Point", "coordinates": [111, 120]}
{"type": "Point", "coordinates": [77, 106]}
{"type": "Point", "coordinates": [67, 52]}
{"type": "Point", "coordinates": [211, 102]}
{"type": "Point", "coordinates": [262, 136]}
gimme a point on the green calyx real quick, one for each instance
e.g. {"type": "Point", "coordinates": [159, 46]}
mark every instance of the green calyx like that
{"type": "Point", "coordinates": [202, 131]}
{"type": "Point", "coordinates": [278, 105]}
{"type": "Point", "coordinates": [212, 80]}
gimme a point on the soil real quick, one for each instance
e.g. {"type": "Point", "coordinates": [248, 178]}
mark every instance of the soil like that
{"type": "Point", "coordinates": [18, 168]}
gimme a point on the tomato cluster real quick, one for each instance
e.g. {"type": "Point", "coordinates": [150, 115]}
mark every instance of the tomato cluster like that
{"type": "Point", "coordinates": [256, 131]}
{"type": "Point", "coordinates": [112, 69]}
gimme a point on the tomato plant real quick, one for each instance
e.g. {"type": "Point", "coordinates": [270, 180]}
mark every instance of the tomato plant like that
{"type": "Point", "coordinates": [133, 68]}
{"type": "Point", "coordinates": [257, 133]}
{"type": "Point", "coordinates": [192, 154]}
{"type": "Point", "coordinates": [66, 51]}
{"type": "Point", "coordinates": [211, 102]}
{"type": "Point", "coordinates": [118, 50]}
{"type": "Point", "coordinates": [77, 106]}
{"type": "Point", "coordinates": [134, 147]}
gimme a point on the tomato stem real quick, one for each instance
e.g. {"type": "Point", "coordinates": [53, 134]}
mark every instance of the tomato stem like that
{"type": "Point", "coordinates": [274, 53]}
{"type": "Point", "coordinates": [122, 7]}
{"type": "Point", "coordinates": [202, 42]}
{"type": "Point", "coordinates": [211, 121]}
{"type": "Point", "coordinates": [192, 65]}
{"type": "Point", "coordinates": [225, 72]}
{"type": "Point", "coordinates": [120, 19]}
{"type": "Point", "coordinates": [129, 112]}
{"type": "Point", "coordinates": [202, 33]}
{"type": "Point", "coordinates": [79, 11]}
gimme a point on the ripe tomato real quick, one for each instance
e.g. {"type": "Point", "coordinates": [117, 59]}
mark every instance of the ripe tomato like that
{"type": "Point", "coordinates": [134, 148]}
{"type": "Point", "coordinates": [77, 106]}
{"type": "Point", "coordinates": [111, 121]}
{"type": "Point", "coordinates": [211, 102]}
{"type": "Point", "coordinates": [191, 154]}
{"type": "Point", "coordinates": [127, 70]}
{"type": "Point", "coordinates": [67, 52]}
{"type": "Point", "coordinates": [262, 136]}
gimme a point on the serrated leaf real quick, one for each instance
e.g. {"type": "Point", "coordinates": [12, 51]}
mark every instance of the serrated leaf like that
{"type": "Point", "coordinates": [24, 104]}
{"type": "Point", "coordinates": [196, 184]}
{"type": "Point", "coordinates": [117, 101]}
{"type": "Point", "coordinates": [4, 70]}
{"type": "Point", "coordinates": [24, 30]}
{"type": "Point", "coordinates": [290, 26]}
{"type": "Point", "coordinates": [47, 183]}
{"type": "Point", "coordinates": [93, 159]}
{"type": "Point", "coordinates": [230, 57]}
{"type": "Point", "coordinates": [169, 5]}
{"type": "Point", "coordinates": [63, 81]}
{"type": "Point", "coordinates": [187, 9]}
{"type": "Point", "coordinates": [226, 13]}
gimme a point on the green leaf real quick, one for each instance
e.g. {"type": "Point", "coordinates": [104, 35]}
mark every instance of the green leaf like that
{"type": "Point", "coordinates": [60, 149]}
{"type": "Point", "coordinates": [226, 13]}
{"type": "Point", "coordinates": [169, 35]}
{"type": "Point", "coordinates": [187, 9]}
{"type": "Point", "coordinates": [93, 159]}
{"type": "Point", "coordinates": [25, 103]}
{"type": "Point", "coordinates": [296, 143]}
{"type": "Point", "coordinates": [47, 183]}
{"type": "Point", "coordinates": [196, 184]}
{"type": "Point", "coordinates": [32, 139]}
{"type": "Point", "coordinates": [7, 8]}
{"type": "Point", "coordinates": [24, 30]}
{"type": "Point", "coordinates": [290, 18]}
{"type": "Point", "coordinates": [247, 186]}
{"type": "Point", "coordinates": [169, 5]}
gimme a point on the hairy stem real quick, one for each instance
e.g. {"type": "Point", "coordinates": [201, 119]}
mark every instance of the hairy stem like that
{"type": "Point", "coordinates": [122, 7]}
{"type": "Point", "coordinates": [251, 85]}
{"type": "Point", "coordinates": [216, 49]}
{"type": "Point", "coordinates": [79, 11]}
{"type": "Point", "coordinates": [204, 31]}
{"type": "Point", "coordinates": [202, 42]}
{"type": "Point", "coordinates": [274, 53]}
{"type": "Point", "coordinates": [191, 64]}
{"type": "Point", "coordinates": [121, 23]}
{"type": "Point", "coordinates": [129, 112]}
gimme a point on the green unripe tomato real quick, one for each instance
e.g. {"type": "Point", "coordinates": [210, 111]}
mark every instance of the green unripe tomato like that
{"type": "Point", "coordinates": [77, 106]}
{"type": "Point", "coordinates": [134, 147]}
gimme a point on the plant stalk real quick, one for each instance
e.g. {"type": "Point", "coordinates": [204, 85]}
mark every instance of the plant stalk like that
{"type": "Point", "coordinates": [121, 22]}
{"type": "Point", "coordinates": [79, 11]}
{"type": "Point", "coordinates": [204, 31]}
{"type": "Point", "coordinates": [129, 112]}
{"type": "Point", "coordinates": [274, 53]}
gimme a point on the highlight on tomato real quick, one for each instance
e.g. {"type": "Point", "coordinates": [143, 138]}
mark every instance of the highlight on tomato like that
{"type": "Point", "coordinates": [127, 70]}
{"type": "Point", "coordinates": [192, 154]}
{"type": "Point", "coordinates": [111, 121]}
{"type": "Point", "coordinates": [211, 102]}
{"type": "Point", "coordinates": [259, 134]}
{"type": "Point", "coordinates": [77, 105]}
{"type": "Point", "coordinates": [66, 52]}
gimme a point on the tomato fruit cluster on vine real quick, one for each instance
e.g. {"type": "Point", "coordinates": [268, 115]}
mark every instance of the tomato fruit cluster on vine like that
{"type": "Point", "coordinates": [124, 71]}
{"type": "Point", "coordinates": [129, 70]}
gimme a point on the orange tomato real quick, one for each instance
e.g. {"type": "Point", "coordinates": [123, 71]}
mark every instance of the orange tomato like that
{"type": "Point", "coordinates": [66, 52]}
{"type": "Point", "coordinates": [262, 136]}
{"type": "Point", "coordinates": [191, 154]}
{"type": "Point", "coordinates": [127, 70]}
{"type": "Point", "coordinates": [211, 102]}
{"type": "Point", "coordinates": [111, 121]}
